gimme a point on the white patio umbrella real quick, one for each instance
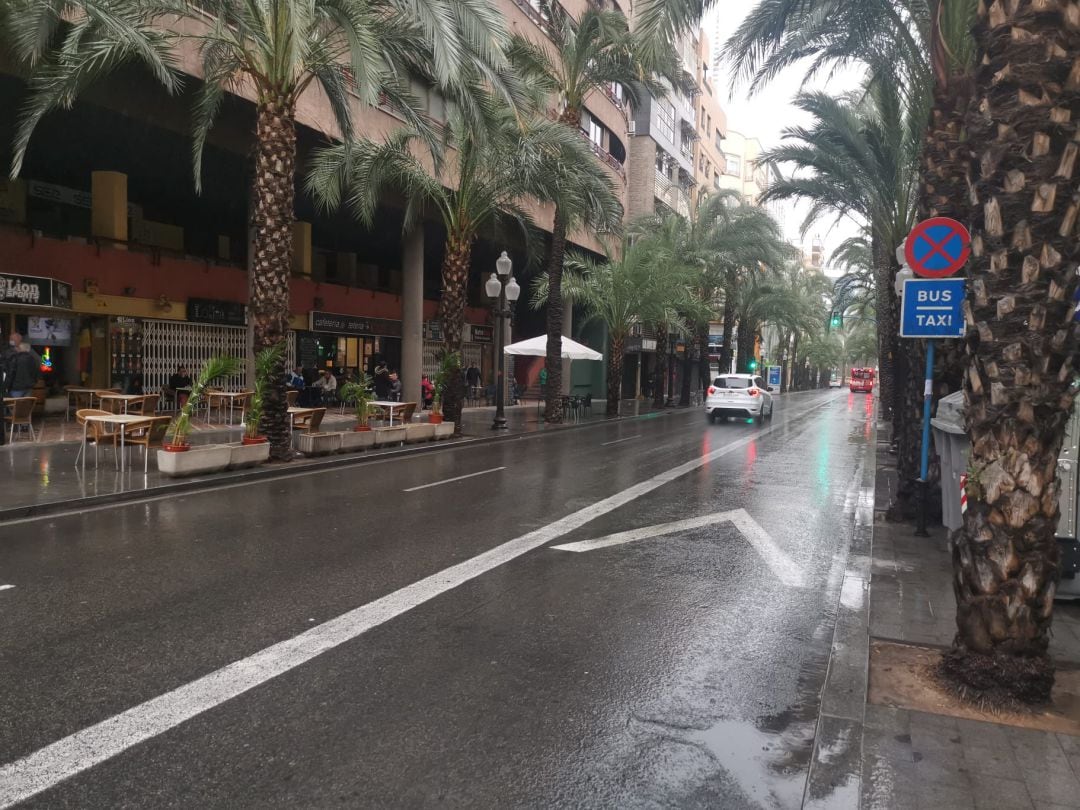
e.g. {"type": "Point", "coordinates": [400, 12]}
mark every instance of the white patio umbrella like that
{"type": "Point", "coordinates": [537, 347]}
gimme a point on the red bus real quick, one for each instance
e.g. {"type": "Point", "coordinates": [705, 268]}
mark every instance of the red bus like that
{"type": "Point", "coordinates": [861, 380]}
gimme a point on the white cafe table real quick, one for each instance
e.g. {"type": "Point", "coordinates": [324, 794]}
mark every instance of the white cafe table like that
{"type": "Point", "coordinates": [121, 420]}
{"type": "Point", "coordinates": [232, 397]}
{"type": "Point", "coordinates": [74, 391]}
{"type": "Point", "coordinates": [124, 399]}
{"type": "Point", "coordinates": [390, 406]}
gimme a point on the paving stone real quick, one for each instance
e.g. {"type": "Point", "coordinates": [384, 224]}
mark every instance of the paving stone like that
{"type": "Point", "coordinates": [1053, 787]}
{"type": "Point", "coordinates": [1000, 794]}
{"type": "Point", "coordinates": [889, 719]}
{"type": "Point", "coordinates": [936, 796]}
{"type": "Point", "coordinates": [996, 761]}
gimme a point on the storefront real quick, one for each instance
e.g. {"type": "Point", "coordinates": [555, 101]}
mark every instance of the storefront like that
{"type": "Point", "coordinates": [639, 364]}
{"type": "Point", "coordinates": [477, 349]}
{"type": "Point", "coordinates": [39, 309]}
{"type": "Point", "coordinates": [347, 344]}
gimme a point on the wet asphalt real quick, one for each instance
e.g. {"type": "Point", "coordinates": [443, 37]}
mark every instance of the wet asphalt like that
{"type": "Point", "coordinates": [671, 671]}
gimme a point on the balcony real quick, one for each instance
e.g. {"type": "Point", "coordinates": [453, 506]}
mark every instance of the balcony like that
{"type": "Point", "coordinates": [605, 156]}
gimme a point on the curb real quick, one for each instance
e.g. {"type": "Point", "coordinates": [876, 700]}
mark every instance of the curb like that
{"type": "Point", "coordinates": [269, 472]}
{"type": "Point", "coordinates": [836, 760]}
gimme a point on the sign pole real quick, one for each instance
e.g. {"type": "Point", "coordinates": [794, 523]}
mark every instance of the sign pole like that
{"type": "Point", "coordinates": [924, 461]}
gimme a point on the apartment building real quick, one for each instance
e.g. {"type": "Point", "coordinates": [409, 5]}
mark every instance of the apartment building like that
{"type": "Point", "coordinates": [709, 159]}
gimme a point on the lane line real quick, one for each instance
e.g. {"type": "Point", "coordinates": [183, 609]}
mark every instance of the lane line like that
{"type": "Point", "coordinates": [5, 587]}
{"type": "Point", "coordinates": [452, 480]}
{"type": "Point", "coordinates": [48, 766]}
{"type": "Point", "coordinates": [775, 557]}
{"type": "Point", "coordinates": [616, 441]}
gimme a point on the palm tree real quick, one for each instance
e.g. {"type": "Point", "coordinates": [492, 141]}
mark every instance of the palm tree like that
{"type": "Point", "coordinates": [276, 50]}
{"type": "Point", "coordinates": [859, 159]}
{"type": "Point", "coordinates": [587, 56]}
{"type": "Point", "coordinates": [1020, 344]}
{"type": "Point", "coordinates": [498, 163]}
{"type": "Point", "coordinates": [634, 288]}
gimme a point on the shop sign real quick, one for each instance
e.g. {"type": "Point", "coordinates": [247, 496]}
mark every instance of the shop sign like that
{"type": "Point", "coordinates": [353, 325]}
{"type": "Point", "coordinates": [70, 196]}
{"type": "Point", "coordinates": [34, 291]}
{"type": "Point", "coordinates": [633, 345]}
{"type": "Point", "coordinates": [483, 334]}
{"type": "Point", "coordinates": [433, 331]}
{"type": "Point", "coordinates": [222, 313]}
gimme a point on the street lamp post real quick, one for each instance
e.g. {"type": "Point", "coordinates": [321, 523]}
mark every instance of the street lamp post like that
{"type": "Point", "coordinates": [503, 289]}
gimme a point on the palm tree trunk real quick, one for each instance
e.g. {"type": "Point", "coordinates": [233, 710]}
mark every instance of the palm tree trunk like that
{"type": "Point", "coordinates": [614, 375]}
{"type": "Point", "coordinates": [553, 406]}
{"type": "Point", "coordinates": [1020, 344]}
{"type": "Point", "coordinates": [729, 326]}
{"type": "Point", "coordinates": [271, 261]}
{"type": "Point", "coordinates": [455, 282]}
{"type": "Point", "coordinates": [909, 437]}
{"type": "Point", "coordinates": [794, 382]}
{"type": "Point", "coordinates": [660, 384]}
{"type": "Point", "coordinates": [745, 346]}
{"type": "Point", "coordinates": [884, 276]}
{"type": "Point", "coordinates": [687, 366]}
{"type": "Point", "coordinates": [703, 357]}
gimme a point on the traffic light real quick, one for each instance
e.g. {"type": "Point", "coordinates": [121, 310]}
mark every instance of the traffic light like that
{"type": "Point", "coordinates": [836, 321]}
{"type": "Point", "coordinates": [753, 365]}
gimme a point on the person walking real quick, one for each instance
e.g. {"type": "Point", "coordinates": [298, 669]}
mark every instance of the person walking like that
{"type": "Point", "coordinates": [381, 379]}
{"type": "Point", "coordinates": [472, 379]}
{"type": "Point", "coordinates": [26, 370]}
{"type": "Point", "coordinates": [543, 381]}
{"type": "Point", "coordinates": [427, 391]}
{"type": "Point", "coordinates": [7, 372]}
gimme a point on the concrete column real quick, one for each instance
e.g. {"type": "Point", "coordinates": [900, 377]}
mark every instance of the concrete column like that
{"type": "Point", "coordinates": [109, 205]}
{"type": "Point", "coordinates": [567, 331]}
{"type": "Point", "coordinates": [301, 249]}
{"type": "Point", "coordinates": [412, 313]}
{"type": "Point", "coordinates": [12, 201]}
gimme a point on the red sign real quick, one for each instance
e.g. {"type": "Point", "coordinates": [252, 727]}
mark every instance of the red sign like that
{"type": "Point", "coordinates": [937, 247]}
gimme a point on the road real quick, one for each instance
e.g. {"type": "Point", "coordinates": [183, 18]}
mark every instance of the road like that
{"type": "Point", "coordinates": [382, 635]}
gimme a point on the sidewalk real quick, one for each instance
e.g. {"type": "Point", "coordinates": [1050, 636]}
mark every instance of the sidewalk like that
{"type": "Point", "coordinates": [913, 759]}
{"type": "Point", "coordinates": [42, 477]}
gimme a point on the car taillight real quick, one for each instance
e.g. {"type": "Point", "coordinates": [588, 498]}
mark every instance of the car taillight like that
{"type": "Point", "coordinates": [753, 392]}
{"type": "Point", "coordinates": [712, 390]}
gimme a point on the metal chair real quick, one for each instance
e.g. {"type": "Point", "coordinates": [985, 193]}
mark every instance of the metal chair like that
{"type": "Point", "coordinates": [95, 432]}
{"type": "Point", "coordinates": [22, 415]}
{"type": "Point", "coordinates": [146, 434]}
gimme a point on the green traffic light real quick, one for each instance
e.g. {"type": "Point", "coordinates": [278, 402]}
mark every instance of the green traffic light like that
{"type": "Point", "coordinates": [835, 321]}
{"type": "Point", "coordinates": [753, 365]}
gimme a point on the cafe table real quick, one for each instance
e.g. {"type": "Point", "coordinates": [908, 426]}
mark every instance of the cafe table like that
{"type": "Point", "coordinates": [389, 406]}
{"type": "Point", "coordinates": [75, 391]}
{"type": "Point", "coordinates": [123, 399]}
{"type": "Point", "coordinates": [232, 397]}
{"type": "Point", "coordinates": [120, 420]}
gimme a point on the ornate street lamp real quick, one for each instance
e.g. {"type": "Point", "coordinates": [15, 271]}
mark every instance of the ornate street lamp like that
{"type": "Point", "coordinates": [503, 289]}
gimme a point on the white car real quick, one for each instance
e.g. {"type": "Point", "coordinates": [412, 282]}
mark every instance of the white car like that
{"type": "Point", "coordinates": [834, 382]}
{"type": "Point", "coordinates": [744, 395]}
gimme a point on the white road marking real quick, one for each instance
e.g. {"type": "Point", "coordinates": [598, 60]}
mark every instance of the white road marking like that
{"type": "Point", "coordinates": [781, 564]}
{"type": "Point", "coordinates": [5, 587]}
{"type": "Point", "coordinates": [452, 480]}
{"type": "Point", "coordinates": [616, 441]}
{"type": "Point", "coordinates": [48, 766]}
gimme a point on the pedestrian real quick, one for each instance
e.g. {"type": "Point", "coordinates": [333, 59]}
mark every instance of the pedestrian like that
{"type": "Point", "coordinates": [26, 370]}
{"type": "Point", "coordinates": [472, 379]}
{"type": "Point", "coordinates": [543, 380]}
{"type": "Point", "coordinates": [427, 391]}
{"type": "Point", "coordinates": [7, 371]}
{"type": "Point", "coordinates": [395, 387]}
{"type": "Point", "coordinates": [381, 379]}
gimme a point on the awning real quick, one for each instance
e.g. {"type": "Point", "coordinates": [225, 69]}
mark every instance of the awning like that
{"type": "Point", "coordinates": [537, 347]}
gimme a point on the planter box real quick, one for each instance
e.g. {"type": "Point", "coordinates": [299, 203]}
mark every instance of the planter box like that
{"type": "Point", "coordinates": [357, 440]}
{"type": "Point", "coordinates": [444, 431]}
{"type": "Point", "coordinates": [247, 455]}
{"type": "Point", "coordinates": [419, 432]}
{"type": "Point", "coordinates": [318, 444]}
{"type": "Point", "coordinates": [389, 435]}
{"type": "Point", "coordinates": [201, 458]}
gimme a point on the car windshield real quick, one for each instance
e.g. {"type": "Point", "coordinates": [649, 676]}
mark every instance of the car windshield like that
{"type": "Point", "coordinates": [732, 382]}
{"type": "Point", "coordinates": [861, 374]}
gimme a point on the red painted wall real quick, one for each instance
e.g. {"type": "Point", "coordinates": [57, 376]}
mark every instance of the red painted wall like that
{"type": "Point", "coordinates": [180, 279]}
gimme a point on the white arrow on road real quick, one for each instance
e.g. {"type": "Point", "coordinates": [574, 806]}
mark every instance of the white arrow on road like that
{"type": "Point", "coordinates": [780, 563]}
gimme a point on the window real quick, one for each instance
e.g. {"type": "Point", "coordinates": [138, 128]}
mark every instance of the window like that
{"type": "Point", "coordinates": [708, 122]}
{"type": "Point", "coordinates": [665, 120]}
{"type": "Point", "coordinates": [734, 165]}
{"type": "Point", "coordinates": [617, 90]}
{"type": "Point", "coordinates": [731, 382]}
{"type": "Point", "coordinates": [719, 141]}
{"type": "Point", "coordinates": [596, 133]}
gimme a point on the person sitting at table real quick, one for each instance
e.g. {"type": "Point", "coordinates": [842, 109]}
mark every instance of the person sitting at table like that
{"type": "Point", "coordinates": [295, 379]}
{"type": "Point", "coordinates": [327, 383]}
{"type": "Point", "coordinates": [181, 379]}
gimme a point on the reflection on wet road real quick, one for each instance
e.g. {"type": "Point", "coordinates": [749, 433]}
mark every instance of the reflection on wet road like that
{"type": "Point", "coordinates": [463, 659]}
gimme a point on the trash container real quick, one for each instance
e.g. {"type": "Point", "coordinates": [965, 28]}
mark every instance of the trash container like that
{"type": "Point", "coordinates": [951, 441]}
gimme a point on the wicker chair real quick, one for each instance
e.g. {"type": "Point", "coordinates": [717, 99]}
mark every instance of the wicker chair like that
{"type": "Point", "coordinates": [95, 433]}
{"type": "Point", "coordinates": [146, 434]}
{"type": "Point", "coordinates": [20, 413]}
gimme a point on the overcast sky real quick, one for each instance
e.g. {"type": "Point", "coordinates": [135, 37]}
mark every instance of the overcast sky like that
{"type": "Point", "coordinates": [765, 114]}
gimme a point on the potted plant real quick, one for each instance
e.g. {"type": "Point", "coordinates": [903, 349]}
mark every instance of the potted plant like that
{"type": "Point", "coordinates": [176, 436]}
{"type": "Point", "coordinates": [358, 392]}
{"type": "Point", "coordinates": [267, 363]}
{"type": "Point", "coordinates": [449, 365]}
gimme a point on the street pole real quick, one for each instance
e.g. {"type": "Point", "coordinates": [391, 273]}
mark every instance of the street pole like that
{"type": "Point", "coordinates": [924, 464]}
{"type": "Point", "coordinates": [500, 388]}
{"type": "Point", "coordinates": [501, 288]}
